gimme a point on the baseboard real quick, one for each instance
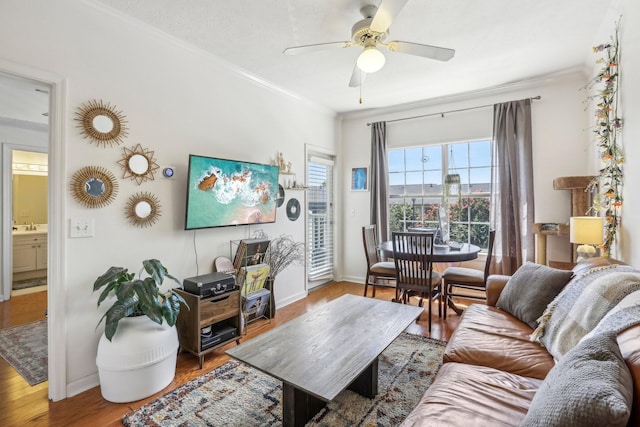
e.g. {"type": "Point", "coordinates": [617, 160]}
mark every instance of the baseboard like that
{"type": "Point", "coordinates": [80, 386]}
{"type": "Point", "coordinates": [291, 299]}
{"type": "Point", "coordinates": [355, 279]}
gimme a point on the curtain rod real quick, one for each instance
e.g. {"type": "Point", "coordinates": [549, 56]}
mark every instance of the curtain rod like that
{"type": "Point", "coordinates": [450, 111]}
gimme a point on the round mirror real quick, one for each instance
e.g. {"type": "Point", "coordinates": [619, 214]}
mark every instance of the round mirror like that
{"type": "Point", "coordinates": [102, 124]}
{"type": "Point", "coordinates": [143, 209]}
{"type": "Point", "coordinates": [94, 186]}
{"type": "Point", "coordinates": [138, 164]}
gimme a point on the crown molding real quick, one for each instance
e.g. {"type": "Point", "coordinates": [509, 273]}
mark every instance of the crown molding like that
{"type": "Point", "coordinates": [471, 95]}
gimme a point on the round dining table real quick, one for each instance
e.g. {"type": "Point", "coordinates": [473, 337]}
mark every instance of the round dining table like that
{"type": "Point", "coordinates": [441, 253]}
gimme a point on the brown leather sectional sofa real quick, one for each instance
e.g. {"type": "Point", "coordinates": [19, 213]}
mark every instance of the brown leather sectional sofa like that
{"type": "Point", "coordinates": [492, 370]}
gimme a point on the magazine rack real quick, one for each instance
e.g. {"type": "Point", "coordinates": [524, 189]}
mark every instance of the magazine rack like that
{"type": "Point", "coordinates": [252, 274]}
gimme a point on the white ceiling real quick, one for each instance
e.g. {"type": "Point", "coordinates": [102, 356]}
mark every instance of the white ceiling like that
{"type": "Point", "coordinates": [497, 42]}
{"type": "Point", "coordinates": [23, 101]}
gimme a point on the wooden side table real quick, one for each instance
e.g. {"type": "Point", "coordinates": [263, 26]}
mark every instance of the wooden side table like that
{"type": "Point", "coordinates": [223, 309]}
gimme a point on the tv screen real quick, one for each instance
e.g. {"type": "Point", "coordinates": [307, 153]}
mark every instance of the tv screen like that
{"type": "Point", "coordinates": [223, 192]}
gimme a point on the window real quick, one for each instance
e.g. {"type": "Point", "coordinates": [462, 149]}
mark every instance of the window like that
{"type": "Point", "coordinates": [417, 190]}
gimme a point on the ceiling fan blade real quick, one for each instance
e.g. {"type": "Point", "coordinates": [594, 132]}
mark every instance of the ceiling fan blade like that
{"type": "Point", "coordinates": [387, 11]}
{"type": "Point", "coordinates": [357, 77]}
{"type": "Point", "coordinates": [424, 50]}
{"type": "Point", "coordinates": [297, 50]}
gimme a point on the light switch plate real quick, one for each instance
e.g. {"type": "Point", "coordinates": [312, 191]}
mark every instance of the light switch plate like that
{"type": "Point", "coordinates": [80, 227]}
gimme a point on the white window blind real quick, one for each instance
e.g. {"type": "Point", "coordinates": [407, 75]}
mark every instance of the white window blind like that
{"type": "Point", "coordinates": [320, 218]}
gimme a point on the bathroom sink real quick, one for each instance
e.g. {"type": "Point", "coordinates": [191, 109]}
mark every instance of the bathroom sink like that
{"type": "Point", "coordinates": [40, 228]}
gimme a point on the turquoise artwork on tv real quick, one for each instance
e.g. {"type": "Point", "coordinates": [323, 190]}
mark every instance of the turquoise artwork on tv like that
{"type": "Point", "coordinates": [222, 192]}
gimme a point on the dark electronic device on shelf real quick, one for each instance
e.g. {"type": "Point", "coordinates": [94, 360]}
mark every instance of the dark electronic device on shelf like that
{"type": "Point", "coordinates": [214, 334]}
{"type": "Point", "coordinates": [210, 284]}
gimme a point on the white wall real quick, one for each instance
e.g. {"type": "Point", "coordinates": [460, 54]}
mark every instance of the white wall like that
{"type": "Point", "coordinates": [559, 149]}
{"type": "Point", "coordinates": [625, 13]}
{"type": "Point", "coordinates": [23, 134]}
{"type": "Point", "coordinates": [177, 101]}
{"type": "Point", "coordinates": [630, 112]}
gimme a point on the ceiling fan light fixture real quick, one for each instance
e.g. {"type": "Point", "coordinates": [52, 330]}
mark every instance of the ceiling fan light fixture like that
{"type": "Point", "coordinates": [371, 60]}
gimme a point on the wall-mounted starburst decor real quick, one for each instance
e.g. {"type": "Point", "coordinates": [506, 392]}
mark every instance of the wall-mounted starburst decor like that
{"type": "Point", "coordinates": [101, 123]}
{"type": "Point", "coordinates": [138, 164]}
{"type": "Point", "coordinates": [94, 186]}
{"type": "Point", "coordinates": [143, 209]}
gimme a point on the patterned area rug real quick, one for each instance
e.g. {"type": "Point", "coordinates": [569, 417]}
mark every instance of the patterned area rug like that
{"type": "Point", "coordinates": [237, 395]}
{"type": "Point", "coordinates": [25, 348]}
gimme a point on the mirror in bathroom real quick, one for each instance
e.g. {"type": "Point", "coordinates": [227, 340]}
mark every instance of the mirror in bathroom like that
{"type": "Point", "coordinates": [138, 164]}
{"type": "Point", "coordinates": [101, 123]}
{"type": "Point", "coordinates": [143, 209]}
{"type": "Point", "coordinates": [94, 186]}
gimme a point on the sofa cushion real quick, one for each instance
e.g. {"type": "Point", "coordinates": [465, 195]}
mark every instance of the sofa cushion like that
{"type": "Point", "coordinates": [467, 395]}
{"type": "Point", "coordinates": [488, 336]}
{"type": "Point", "coordinates": [582, 304]}
{"type": "Point", "coordinates": [531, 288]}
{"type": "Point", "coordinates": [590, 386]}
{"type": "Point", "coordinates": [628, 341]}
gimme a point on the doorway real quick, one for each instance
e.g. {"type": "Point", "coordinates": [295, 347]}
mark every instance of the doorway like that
{"type": "Point", "coordinates": [24, 136]}
{"type": "Point", "coordinates": [29, 197]}
{"type": "Point", "coordinates": [25, 140]}
{"type": "Point", "coordinates": [320, 219]}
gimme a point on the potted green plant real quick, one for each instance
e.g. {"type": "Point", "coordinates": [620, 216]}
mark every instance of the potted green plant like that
{"type": "Point", "coordinates": [140, 359]}
{"type": "Point", "coordinates": [136, 297]}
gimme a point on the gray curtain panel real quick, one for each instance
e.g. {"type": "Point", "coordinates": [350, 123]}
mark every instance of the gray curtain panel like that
{"type": "Point", "coordinates": [512, 192]}
{"type": "Point", "coordinates": [379, 180]}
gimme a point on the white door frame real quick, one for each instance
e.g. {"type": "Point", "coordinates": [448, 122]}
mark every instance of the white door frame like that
{"type": "Point", "coordinates": [57, 333]}
{"type": "Point", "coordinates": [310, 149]}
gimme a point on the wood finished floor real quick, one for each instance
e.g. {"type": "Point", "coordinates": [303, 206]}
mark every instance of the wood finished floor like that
{"type": "Point", "coordinates": [21, 404]}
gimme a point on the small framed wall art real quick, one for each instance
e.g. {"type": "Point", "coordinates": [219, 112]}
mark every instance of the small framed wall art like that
{"type": "Point", "coordinates": [360, 179]}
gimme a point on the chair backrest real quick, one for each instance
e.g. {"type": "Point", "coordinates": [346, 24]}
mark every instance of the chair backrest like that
{"type": "Point", "coordinates": [487, 265]}
{"type": "Point", "coordinates": [413, 254]}
{"type": "Point", "coordinates": [370, 241]}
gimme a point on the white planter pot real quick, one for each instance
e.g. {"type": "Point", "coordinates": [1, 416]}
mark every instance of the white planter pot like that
{"type": "Point", "coordinates": [139, 361]}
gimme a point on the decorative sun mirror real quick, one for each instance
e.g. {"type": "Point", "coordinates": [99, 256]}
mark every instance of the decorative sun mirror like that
{"type": "Point", "coordinates": [101, 123]}
{"type": "Point", "coordinates": [143, 209]}
{"type": "Point", "coordinates": [94, 186]}
{"type": "Point", "coordinates": [138, 164]}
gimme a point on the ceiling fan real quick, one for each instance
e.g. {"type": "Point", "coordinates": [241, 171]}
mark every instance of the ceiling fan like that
{"type": "Point", "coordinates": [371, 32]}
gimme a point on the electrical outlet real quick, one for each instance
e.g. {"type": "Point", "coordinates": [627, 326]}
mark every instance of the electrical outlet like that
{"type": "Point", "coordinates": [80, 227]}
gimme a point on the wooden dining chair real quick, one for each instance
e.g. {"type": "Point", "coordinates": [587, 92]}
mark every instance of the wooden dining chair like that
{"type": "Point", "coordinates": [412, 255]}
{"type": "Point", "coordinates": [379, 272]}
{"type": "Point", "coordinates": [455, 279]}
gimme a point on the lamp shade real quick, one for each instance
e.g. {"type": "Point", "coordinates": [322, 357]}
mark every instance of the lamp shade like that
{"type": "Point", "coordinates": [370, 60]}
{"type": "Point", "coordinates": [586, 230]}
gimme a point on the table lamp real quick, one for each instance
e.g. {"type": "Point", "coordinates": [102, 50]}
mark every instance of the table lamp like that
{"type": "Point", "coordinates": [586, 231]}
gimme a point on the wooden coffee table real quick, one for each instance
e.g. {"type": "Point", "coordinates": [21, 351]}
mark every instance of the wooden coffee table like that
{"type": "Point", "coordinates": [325, 351]}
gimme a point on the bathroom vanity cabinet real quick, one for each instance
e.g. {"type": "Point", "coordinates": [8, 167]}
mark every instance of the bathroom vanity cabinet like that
{"type": "Point", "coordinates": [29, 252]}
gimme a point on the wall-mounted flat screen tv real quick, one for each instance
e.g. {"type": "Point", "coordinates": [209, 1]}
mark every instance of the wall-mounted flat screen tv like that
{"type": "Point", "coordinates": [223, 192]}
